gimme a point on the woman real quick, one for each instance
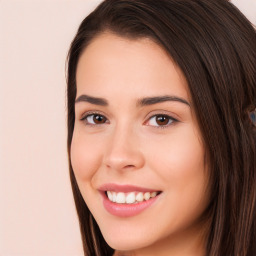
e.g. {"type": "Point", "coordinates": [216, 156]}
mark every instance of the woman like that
{"type": "Point", "coordinates": [160, 141]}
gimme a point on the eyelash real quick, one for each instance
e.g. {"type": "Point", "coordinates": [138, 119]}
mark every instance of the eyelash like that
{"type": "Point", "coordinates": [171, 120]}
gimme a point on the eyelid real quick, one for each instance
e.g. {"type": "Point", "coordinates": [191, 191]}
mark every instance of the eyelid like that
{"type": "Point", "coordinates": [164, 113]}
{"type": "Point", "coordinates": [91, 113]}
{"type": "Point", "coordinates": [171, 120]}
{"type": "Point", "coordinates": [173, 117]}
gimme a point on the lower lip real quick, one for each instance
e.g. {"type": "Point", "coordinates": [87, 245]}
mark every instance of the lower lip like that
{"type": "Point", "coordinates": [127, 210]}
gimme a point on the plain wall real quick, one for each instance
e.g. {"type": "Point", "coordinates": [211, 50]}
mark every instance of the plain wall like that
{"type": "Point", "coordinates": [37, 210]}
{"type": "Point", "coordinates": [37, 214]}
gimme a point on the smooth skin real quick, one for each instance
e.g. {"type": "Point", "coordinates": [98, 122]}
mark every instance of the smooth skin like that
{"type": "Point", "coordinates": [157, 146]}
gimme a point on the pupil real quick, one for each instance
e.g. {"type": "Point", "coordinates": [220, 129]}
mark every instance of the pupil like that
{"type": "Point", "coordinates": [98, 119]}
{"type": "Point", "coordinates": [162, 120]}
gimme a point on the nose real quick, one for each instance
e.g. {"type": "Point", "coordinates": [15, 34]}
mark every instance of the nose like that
{"type": "Point", "coordinates": [123, 151]}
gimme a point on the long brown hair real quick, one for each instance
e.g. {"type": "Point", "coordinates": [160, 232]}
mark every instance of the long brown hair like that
{"type": "Point", "coordinates": [214, 45]}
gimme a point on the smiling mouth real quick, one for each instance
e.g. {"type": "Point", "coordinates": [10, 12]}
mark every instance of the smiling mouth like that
{"type": "Point", "coordinates": [128, 200]}
{"type": "Point", "coordinates": [131, 197]}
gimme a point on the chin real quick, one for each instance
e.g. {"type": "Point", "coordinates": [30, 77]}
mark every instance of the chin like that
{"type": "Point", "coordinates": [124, 245]}
{"type": "Point", "coordinates": [126, 242]}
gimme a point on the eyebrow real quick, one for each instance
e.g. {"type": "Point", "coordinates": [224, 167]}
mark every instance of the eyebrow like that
{"type": "Point", "coordinates": [92, 100]}
{"type": "Point", "coordinates": [141, 102]}
{"type": "Point", "coordinates": [154, 100]}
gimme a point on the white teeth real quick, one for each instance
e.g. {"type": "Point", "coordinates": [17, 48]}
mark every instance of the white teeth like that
{"type": "Point", "coordinates": [129, 198]}
{"type": "Point", "coordinates": [120, 198]}
{"type": "Point", "coordinates": [153, 194]}
{"type": "Point", "coordinates": [147, 195]}
{"type": "Point", "coordinates": [139, 197]}
{"type": "Point", "coordinates": [114, 197]}
{"type": "Point", "coordinates": [110, 195]}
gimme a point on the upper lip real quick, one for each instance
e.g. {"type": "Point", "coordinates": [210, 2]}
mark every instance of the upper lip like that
{"type": "Point", "coordinates": [124, 188]}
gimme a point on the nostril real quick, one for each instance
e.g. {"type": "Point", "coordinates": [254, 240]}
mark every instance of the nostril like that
{"type": "Point", "coordinates": [129, 166]}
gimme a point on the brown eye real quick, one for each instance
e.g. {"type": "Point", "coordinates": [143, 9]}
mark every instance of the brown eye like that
{"type": "Point", "coordinates": [94, 119]}
{"type": "Point", "coordinates": [162, 120]}
{"type": "Point", "coordinates": [98, 119]}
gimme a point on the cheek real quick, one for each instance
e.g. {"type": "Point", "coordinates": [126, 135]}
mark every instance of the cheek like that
{"type": "Point", "coordinates": [85, 157]}
{"type": "Point", "coordinates": [183, 173]}
{"type": "Point", "coordinates": [182, 155]}
{"type": "Point", "coordinates": [181, 165]}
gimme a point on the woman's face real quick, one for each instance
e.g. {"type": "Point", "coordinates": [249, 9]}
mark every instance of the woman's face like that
{"type": "Point", "coordinates": [136, 136]}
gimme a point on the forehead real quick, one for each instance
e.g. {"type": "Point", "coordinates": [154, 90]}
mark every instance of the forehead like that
{"type": "Point", "coordinates": [113, 63]}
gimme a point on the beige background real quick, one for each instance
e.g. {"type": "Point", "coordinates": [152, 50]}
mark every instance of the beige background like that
{"type": "Point", "coordinates": [37, 214]}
